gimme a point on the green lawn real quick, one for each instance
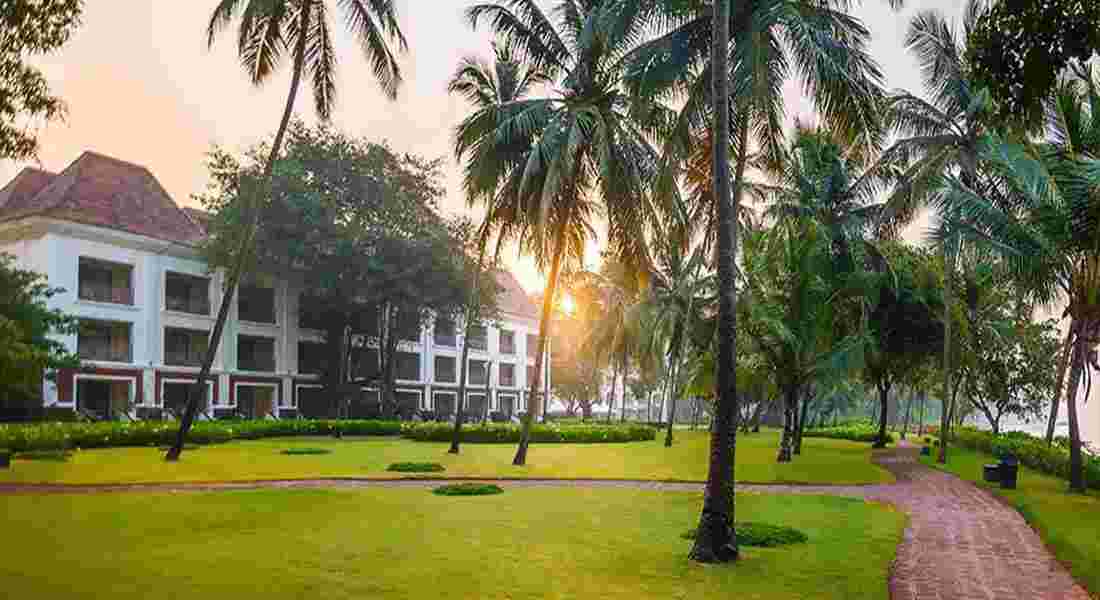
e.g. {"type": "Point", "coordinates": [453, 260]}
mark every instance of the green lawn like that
{"type": "Point", "coordinates": [409, 543]}
{"type": "Point", "coordinates": [822, 461]}
{"type": "Point", "coordinates": [1069, 523]}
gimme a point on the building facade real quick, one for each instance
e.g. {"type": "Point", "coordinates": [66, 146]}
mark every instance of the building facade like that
{"type": "Point", "coordinates": [107, 232]}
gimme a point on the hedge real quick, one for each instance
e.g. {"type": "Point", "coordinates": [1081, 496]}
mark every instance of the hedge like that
{"type": "Point", "coordinates": [1031, 451]}
{"type": "Point", "coordinates": [504, 433]}
{"type": "Point", "coordinates": [856, 432]}
{"type": "Point", "coordinates": [54, 436]}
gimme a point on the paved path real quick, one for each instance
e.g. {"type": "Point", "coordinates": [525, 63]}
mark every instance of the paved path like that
{"type": "Point", "coordinates": [963, 543]}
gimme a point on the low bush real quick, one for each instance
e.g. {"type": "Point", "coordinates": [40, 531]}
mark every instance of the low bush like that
{"type": "Point", "coordinates": [44, 455]}
{"type": "Point", "coordinates": [468, 489]}
{"type": "Point", "coordinates": [856, 432]}
{"type": "Point", "coordinates": [415, 467]}
{"type": "Point", "coordinates": [305, 451]}
{"type": "Point", "coordinates": [500, 433]}
{"type": "Point", "coordinates": [62, 436]}
{"type": "Point", "coordinates": [1031, 451]}
{"type": "Point", "coordinates": [761, 535]}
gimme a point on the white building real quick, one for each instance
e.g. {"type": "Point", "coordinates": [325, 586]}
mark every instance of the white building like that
{"type": "Point", "coordinates": [107, 232]}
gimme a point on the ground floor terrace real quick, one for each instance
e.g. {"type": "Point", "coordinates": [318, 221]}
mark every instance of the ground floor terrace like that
{"type": "Point", "coordinates": [126, 392]}
{"type": "Point", "coordinates": [878, 525]}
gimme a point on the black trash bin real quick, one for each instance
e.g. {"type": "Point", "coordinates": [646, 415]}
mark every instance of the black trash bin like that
{"type": "Point", "coordinates": [926, 451]}
{"type": "Point", "coordinates": [5, 459]}
{"type": "Point", "coordinates": [1009, 468]}
{"type": "Point", "coordinates": [991, 473]}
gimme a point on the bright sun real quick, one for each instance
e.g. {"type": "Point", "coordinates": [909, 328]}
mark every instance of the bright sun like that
{"type": "Point", "coordinates": [567, 304]}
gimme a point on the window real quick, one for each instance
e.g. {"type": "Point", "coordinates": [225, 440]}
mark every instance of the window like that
{"type": "Point", "coordinates": [308, 316]}
{"type": "Point", "coordinates": [530, 376]}
{"type": "Point", "coordinates": [311, 358]}
{"type": "Point", "coordinates": [255, 353]}
{"type": "Point", "coordinates": [507, 375]}
{"type": "Point", "coordinates": [408, 326]}
{"type": "Point", "coordinates": [507, 342]}
{"type": "Point", "coordinates": [256, 304]}
{"type": "Point", "coordinates": [187, 293]}
{"type": "Point", "coordinates": [184, 347]}
{"type": "Point", "coordinates": [479, 338]}
{"type": "Point", "coordinates": [408, 366]}
{"type": "Point", "coordinates": [103, 340]}
{"type": "Point", "coordinates": [532, 345]}
{"type": "Point", "coordinates": [445, 370]}
{"type": "Point", "coordinates": [444, 402]}
{"type": "Point", "coordinates": [364, 363]}
{"type": "Point", "coordinates": [101, 281]}
{"type": "Point", "coordinates": [445, 332]}
{"type": "Point", "coordinates": [479, 374]}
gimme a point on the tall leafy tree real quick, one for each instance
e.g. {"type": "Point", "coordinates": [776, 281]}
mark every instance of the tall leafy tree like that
{"type": "Point", "coordinates": [268, 31]}
{"type": "Point", "coordinates": [30, 28]}
{"type": "Point", "coordinates": [545, 165]}
{"type": "Point", "coordinates": [27, 350]}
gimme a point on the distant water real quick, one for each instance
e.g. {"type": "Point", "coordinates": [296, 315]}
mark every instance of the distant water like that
{"type": "Point", "coordinates": [1090, 432]}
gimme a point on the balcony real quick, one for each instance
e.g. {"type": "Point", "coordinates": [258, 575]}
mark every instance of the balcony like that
{"type": "Point", "coordinates": [104, 341]}
{"type": "Point", "coordinates": [507, 375]}
{"type": "Point", "coordinates": [185, 347]}
{"type": "Point", "coordinates": [102, 281]}
{"type": "Point", "coordinates": [187, 293]}
{"type": "Point", "coordinates": [507, 342]}
{"type": "Point", "coordinates": [479, 373]}
{"type": "Point", "coordinates": [446, 370]}
{"type": "Point", "coordinates": [444, 333]}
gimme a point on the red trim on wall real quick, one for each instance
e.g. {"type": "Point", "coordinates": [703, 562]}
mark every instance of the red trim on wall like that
{"type": "Point", "coordinates": [235, 379]}
{"type": "Point", "coordinates": [161, 375]}
{"type": "Point", "coordinates": [66, 381]}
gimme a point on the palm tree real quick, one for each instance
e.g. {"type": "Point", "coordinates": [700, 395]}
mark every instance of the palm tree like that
{"type": "Point", "coordinates": [715, 538]}
{"type": "Point", "coordinates": [940, 136]}
{"type": "Point", "coordinates": [1038, 209]}
{"type": "Point", "coordinates": [268, 30]}
{"type": "Point", "coordinates": [541, 164]}
{"type": "Point", "coordinates": [615, 332]}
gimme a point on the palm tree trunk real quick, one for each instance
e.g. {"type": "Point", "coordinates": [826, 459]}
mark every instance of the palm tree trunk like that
{"type": "Point", "coordinates": [790, 401]}
{"type": "Point", "coordinates": [457, 434]}
{"type": "Point", "coordinates": [237, 270]}
{"type": "Point", "coordinates": [622, 403]}
{"type": "Point", "coordinates": [1063, 364]}
{"type": "Point", "coordinates": [948, 299]}
{"type": "Point", "coordinates": [884, 415]}
{"type": "Point", "coordinates": [1077, 367]}
{"type": "Point", "coordinates": [715, 539]}
{"type": "Point", "coordinates": [611, 396]}
{"type": "Point", "coordinates": [544, 329]}
{"type": "Point", "coordinates": [923, 401]}
{"type": "Point", "coordinates": [674, 392]}
{"type": "Point", "coordinates": [908, 413]}
{"type": "Point", "coordinates": [801, 427]}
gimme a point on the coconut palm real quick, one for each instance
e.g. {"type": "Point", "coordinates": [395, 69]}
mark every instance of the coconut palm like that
{"type": "Point", "coordinates": [1038, 208]}
{"type": "Point", "coordinates": [616, 331]}
{"type": "Point", "coordinates": [268, 31]}
{"type": "Point", "coordinates": [544, 166]}
{"type": "Point", "coordinates": [938, 137]}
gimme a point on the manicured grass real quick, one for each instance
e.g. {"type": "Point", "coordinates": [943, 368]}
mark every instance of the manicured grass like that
{"type": "Point", "coordinates": [1068, 523]}
{"type": "Point", "coordinates": [407, 543]}
{"type": "Point", "coordinates": [822, 461]}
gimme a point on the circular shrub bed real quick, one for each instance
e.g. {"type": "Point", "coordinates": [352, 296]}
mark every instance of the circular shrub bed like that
{"type": "Point", "coordinates": [468, 489]}
{"type": "Point", "coordinates": [415, 467]}
{"type": "Point", "coordinates": [762, 535]}
{"type": "Point", "coordinates": [45, 455]}
{"type": "Point", "coordinates": [305, 451]}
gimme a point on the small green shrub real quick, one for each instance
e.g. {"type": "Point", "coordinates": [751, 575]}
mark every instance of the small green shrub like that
{"type": "Point", "coordinates": [761, 535]}
{"type": "Point", "coordinates": [44, 455]}
{"type": "Point", "coordinates": [507, 433]}
{"type": "Point", "coordinates": [468, 489]}
{"type": "Point", "coordinates": [415, 467]}
{"type": "Point", "coordinates": [856, 432]}
{"type": "Point", "coordinates": [305, 451]}
{"type": "Point", "coordinates": [1031, 451]}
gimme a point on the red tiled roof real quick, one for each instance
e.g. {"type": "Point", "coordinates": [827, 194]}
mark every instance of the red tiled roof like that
{"type": "Point", "coordinates": [512, 297]}
{"type": "Point", "coordinates": [104, 191]}
{"type": "Point", "coordinates": [24, 186]}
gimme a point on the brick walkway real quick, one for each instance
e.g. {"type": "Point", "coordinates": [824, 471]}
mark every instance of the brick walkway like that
{"type": "Point", "coordinates": [962, 542]}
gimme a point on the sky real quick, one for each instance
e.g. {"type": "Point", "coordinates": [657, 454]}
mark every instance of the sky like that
{"type": "Point", "coordinates": [142, 86]}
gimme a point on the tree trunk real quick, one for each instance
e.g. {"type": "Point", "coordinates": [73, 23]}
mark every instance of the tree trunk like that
{"type": "Point", "coordinates": [908, 414]}
{"type": "Point", "coordinates": [544, 330]}
{"type": "Point", "coordinates": [674, 393]}
{"type": "Point", "coordinates": [923, 400]}
{"type": "Point", "coordinates": [786, 440]}
{"type": "Point", "coordinates": [884, 408]}
{"type": "Point", "coordinates": [237, 269]}
{"type": "Point", "coordinates": [1077, 366]}
{"type": "Point", "coordinates": [1063, 364]}
{"type": "Point", "coordinates": [461, 401]}
{"type": "Point", "coordinates": [622, 404]}
{"type": "Point", "coordinates": [611, 396]}
{"type": "Point", "coordinates": [948, 299]}
{"type": "Point", "coordinates": [389, 365]}
{"type": "Point", "coordinates": [801, 422]}
{"type": "Point", "coordinates": [715, 539]}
